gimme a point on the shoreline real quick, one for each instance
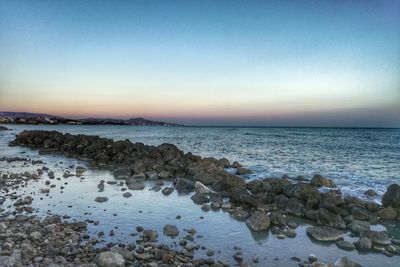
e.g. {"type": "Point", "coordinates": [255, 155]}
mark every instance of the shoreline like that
{"type": "Point", "coordinates": [251, 204]}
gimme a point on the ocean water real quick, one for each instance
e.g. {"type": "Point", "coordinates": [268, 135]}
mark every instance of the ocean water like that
{"type": "Point", "coordinates": [357, 159]}
{"type": "Point", "coordinates": [354, 158]}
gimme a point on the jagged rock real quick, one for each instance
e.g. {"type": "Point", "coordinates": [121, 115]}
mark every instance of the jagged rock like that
{"type": "Point", "coordinates": [200, 199]}
{"type": "Point", "coordinates": [324, 233]}
{"type": "Point", "coordinates": [201, 188]}
{"type": "Point", "coordinates": [258, 221]}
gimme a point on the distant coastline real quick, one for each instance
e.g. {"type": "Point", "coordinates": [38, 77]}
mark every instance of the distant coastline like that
{"type": "Point", "coordinates": [40, 119]}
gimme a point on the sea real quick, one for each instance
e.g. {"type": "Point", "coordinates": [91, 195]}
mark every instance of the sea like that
{"type": "Point", "coordinates": [356, 159]}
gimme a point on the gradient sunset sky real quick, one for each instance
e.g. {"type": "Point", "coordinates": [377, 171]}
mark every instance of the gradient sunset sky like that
{"type": "Point", "coordinates": [275, 63]}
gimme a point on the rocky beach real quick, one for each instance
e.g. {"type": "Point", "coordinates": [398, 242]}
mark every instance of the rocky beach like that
{"type": "Point", "coordinates": [39, 228]}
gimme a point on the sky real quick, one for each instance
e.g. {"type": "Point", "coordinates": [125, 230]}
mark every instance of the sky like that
{"type": "Point", "coordinates": [272, 63]}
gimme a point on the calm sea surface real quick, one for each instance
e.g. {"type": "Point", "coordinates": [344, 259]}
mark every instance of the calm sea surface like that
{"type": "Point", "coordinates": [357, 159]}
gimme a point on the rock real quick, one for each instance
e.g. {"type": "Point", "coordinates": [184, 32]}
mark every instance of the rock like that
{"type": "Point", "coordinates": [303, 191]}
{"type": "Point", "coordinates": [170, 230]}
{"type": "Point", "coordinates": [346, 262]}
{"type": "Point", "coordinates": [35, 235]}
{"type": "Point", "coordinates": [110, 259]}
{"type": "Point", "coordinates": [359, 213]}
{"type": "Point", "coordinates": [167, 191]}
{"type": "Point", "coordinates": [101, 199]}
{"type": "Point", "coordinates": [312, 258]}
{"type": "Point", "coordinates": [127, 195]}
{"type": "Point", "coordinates": [240, 215]}
{"type": "Point", "coordinates": [364, 243]}
{"type": "Point", "coordinates": [388, 213]}
{"type": "Point", "coordinates": [201, 188]}
{"type": "Point", "coordinates": [325, 217]}
{"type": "Point", "coordinates": [242, 171]}
{"type": "Point", "coordinates": [358, 226]}
{"type": "Point", "coordinates": [370, 193]}
{"type": "Point", "coordinates": [295, 207]}
{"type": "Point", "coordinates": [345, 245]}
{"type": "Point", "coordinates": [258, 221]}
{"type": "Point", "coordinates": [2, 128]}
{"type": "Point", "coordinates": [319, 181]}
{"type": "Point", "coordinates": [134, 184]}
{"type": "Point", "coordinates": [44, 190]}
{"type": "Point", "coordinates": [79, 170]}
{"type": "Point", "coordinates": [377, 237]}
{"type": "Point", "coordinates": [184, 185]}
{"type": "Point", "coordinates": [210, 253]}
{"type": "Point", "coordinates": [277, 219]}
{"type": "Point", "coordinates": [392, 196]}
{"type": "Point", "coordinates": [200, 199]}
{"type": "Point", "coordinates": [324, 233]}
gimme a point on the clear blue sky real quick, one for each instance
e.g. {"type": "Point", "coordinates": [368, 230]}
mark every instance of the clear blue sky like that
{"type": "Point", "coordinates": [291, 63]}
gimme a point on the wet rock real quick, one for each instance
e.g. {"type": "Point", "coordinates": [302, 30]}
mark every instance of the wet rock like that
{"type": "Point", "coordinates": [377, 237]}
{"type": "Point", "coordinates": [101, 199]}
{"type": "Point", "coordinates": [358, 226]}
{"type": "Point", "coordinates": [388, 213]}
{"type": "Point", "coordinates": [110, 259]}
{"type": "Point", "coordinates": [312, 258]}
{"type": "Point", "coordinates": [325, 217]}
{"type": "Point", "coordinates": [319, 181]}
{"type": "Point", "coordinates": [242, 171]}
{"type": "Point", "coordinates": [364, 243]}
{"type": "Point", "coordinates": [258, 221]}
{"type": "Point", "coordinates": [35, 236]}
{"type": "Point", "coordinates": [135, 185]}
{"type": "Point", "coordinates": [324, 233]}
{"type": "Point", "coordinates": [200, 199]}
{"type": "Point", "coordinates": [392, 196]}
{"type": "Point", "coordinates": [295, 207]}
{"type": "Point", "coordinates": [345, 245]}
{"type": "Point", "coordinates": [277, 218]}
{"type": "Point", "coordinates": [240, 215]}
{"type": "Point", "coordinates": [167, 191]}
{"type": "Point", "coordinates": [127, 195]}
{"type": "Point", "coordinates": [359, 213]}
{"type": "Point", "coordinates": [184, 185]}
{"type": "Point", "coordinates": [346, 262]}
{"type": "Point", "coordinates": [201, 188]}
{"type": "Point", "coordinates": [370, 193]}
{"type": "Point", "coordinates": [170, 230]}
{"type": "Point", "coordinates": [80, 170]}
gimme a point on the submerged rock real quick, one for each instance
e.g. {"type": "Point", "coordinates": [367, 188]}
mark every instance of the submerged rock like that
{"type": "Point", "coordinates": [170, 230]}
{"type": "Point", "coordinates": [101, 199]}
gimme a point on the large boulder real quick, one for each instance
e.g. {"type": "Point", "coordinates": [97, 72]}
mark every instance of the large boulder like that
{"type": "Point", "coordinates": [110, 259]}
{"type": "Point", "coordinates": [258, 221]}
{"type": "Point", "coordinates": [295, 207]}
{"type": "Point", "coordinates": [324, 233]}
{"type": "Point", "coordinates": [392, 196]}
{"type": "Point", "coordinates": [388, 213]}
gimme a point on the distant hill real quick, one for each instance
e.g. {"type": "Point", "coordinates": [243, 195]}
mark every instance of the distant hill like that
{"type": "Point", "coordinates": [40, 118]}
